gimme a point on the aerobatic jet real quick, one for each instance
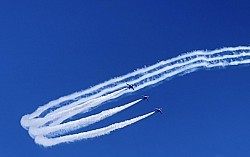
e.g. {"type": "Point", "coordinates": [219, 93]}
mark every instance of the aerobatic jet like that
{"type": "Point", "coordinates": [130, 86]}
{"type": "Point", "coordinates": [158, 110]}
{"type": "Point", "coordinates": [145, 97]}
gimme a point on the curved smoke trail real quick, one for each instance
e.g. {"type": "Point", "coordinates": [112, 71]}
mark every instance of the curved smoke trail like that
{"type": "Point", "coordinates": [89, 134]}
{"type": "Point", "coordinates": [47, 123]}
{"type": "Point", "coordinates": [83, 122]}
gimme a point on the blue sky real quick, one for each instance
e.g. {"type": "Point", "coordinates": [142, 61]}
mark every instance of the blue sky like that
{"type": "Point", "coordinates": [51, 49]}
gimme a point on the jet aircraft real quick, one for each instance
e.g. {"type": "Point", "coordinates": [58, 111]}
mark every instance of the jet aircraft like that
{"type": "Point", "coordinates": [130, 86]}
{"type": "Point", "coordinates": [158, 110]}
{"type": "Point", "coordinates": [145, 97]}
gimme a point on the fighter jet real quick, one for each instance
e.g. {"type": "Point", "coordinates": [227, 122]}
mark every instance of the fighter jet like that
{"type": "Point", "coordinates": [130, 86]}
{"type": "Point", "coordinates": [145, 97]}
{"type": "Point", "coordinates": [158, 110]}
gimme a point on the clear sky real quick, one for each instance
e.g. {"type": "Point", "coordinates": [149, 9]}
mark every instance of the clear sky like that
{"type": "Point", "coordinates": [50, 49]}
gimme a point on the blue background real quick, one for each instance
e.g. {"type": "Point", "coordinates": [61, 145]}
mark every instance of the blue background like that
{"type": "Point", "coordinates": [50, 49]}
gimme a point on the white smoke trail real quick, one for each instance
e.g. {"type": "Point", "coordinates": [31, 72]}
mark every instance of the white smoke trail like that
{"type": "Point", "coordinates": [84, 101]}
{"type": "Point", "coordinates": [64, 114]}
{"type": "Point", "coordinates": [105, 87]}
{"type": "Point", "coordinates": [77, 124]}
{"type": "Point", "coordinates": [128, 77]}
{"type": "Point", "coordinates": [89, 134]}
